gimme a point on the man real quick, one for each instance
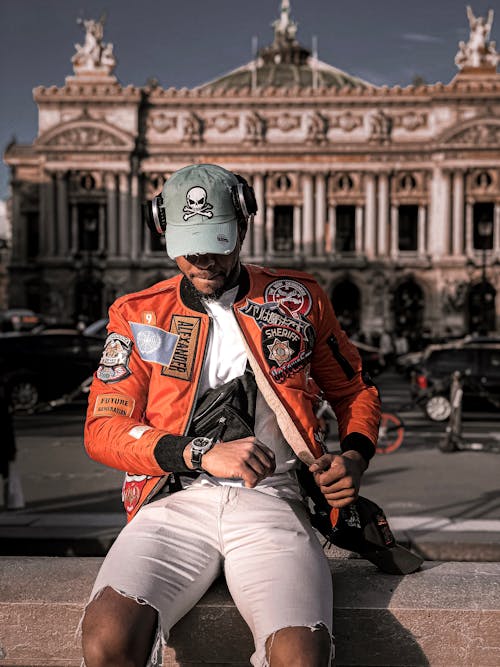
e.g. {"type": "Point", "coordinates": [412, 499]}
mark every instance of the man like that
{"type": "Point", "coordinates": [240, 510]}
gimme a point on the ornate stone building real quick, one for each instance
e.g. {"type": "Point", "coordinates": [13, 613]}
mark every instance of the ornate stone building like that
{"type": "Point", "coordinates": [389, 195]}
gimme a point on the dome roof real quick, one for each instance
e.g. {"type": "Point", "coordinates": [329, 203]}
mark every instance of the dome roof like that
{"type": "Point", "coordinates": [284, 64]}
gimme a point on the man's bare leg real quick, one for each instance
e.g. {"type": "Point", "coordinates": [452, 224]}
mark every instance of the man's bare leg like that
{"type": "Point", "coordinates": [117, 631]}
{"type": "Point", "coordinates": [299, 647]}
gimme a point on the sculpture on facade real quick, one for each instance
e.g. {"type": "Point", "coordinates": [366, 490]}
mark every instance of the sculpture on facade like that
{"type": "Point", "coordinates": [94, 55]}
{"type": "Point", "coordinates": [315, 128]}
{"type": "Point", "coordinates": [380, 126]}
{"type": "Point", "coordinates": [478, 51]}
{"type": "Point", "coordinates": [255, 128]}
{"type": "Point", "coordinates": [192, 129]}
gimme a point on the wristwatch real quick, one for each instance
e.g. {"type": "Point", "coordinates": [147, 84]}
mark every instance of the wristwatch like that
{"type": "Point", "coordinates": [200, 446]}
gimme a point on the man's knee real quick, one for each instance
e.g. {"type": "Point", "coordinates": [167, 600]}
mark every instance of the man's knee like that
{"type": "Point", "coordinates": [301, 646]}
{"type": "Point", "coordinates": [117, 630]}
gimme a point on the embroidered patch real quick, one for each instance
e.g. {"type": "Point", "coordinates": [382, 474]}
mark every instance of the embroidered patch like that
{"type": "Point", "coordinates": [154, 344]}
{"type": "Point", "coordinates": [113, 365]}
{"type": "Point", "coordinates": [293, 298]}
{"type": "Point", "coordinates": [132, 489]}
{"type": "Point", "coordinates": [287, 341]}
{"type": "Point", "coordinates": [148, 317]}
{"type": "Point", "coordinates": [109, 405]}
{"type": "Point", "coordinates": [187, 329]}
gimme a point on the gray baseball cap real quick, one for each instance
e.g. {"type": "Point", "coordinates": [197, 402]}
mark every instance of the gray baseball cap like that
{"type": "Point", "coordinates": [199, 211]}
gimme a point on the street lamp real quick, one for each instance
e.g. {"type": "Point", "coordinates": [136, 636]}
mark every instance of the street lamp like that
{"type": "Point", "coordinates": [484, 230]}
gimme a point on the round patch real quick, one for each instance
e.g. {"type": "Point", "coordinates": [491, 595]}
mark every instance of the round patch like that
{"type": "Point", "coordinates": [148, 341]}
{"type": "Point", "coordinates": [291, 296]}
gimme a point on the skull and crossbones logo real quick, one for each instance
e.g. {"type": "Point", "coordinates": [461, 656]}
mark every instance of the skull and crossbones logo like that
{"type": "Point", "coordinates": [196, 203]}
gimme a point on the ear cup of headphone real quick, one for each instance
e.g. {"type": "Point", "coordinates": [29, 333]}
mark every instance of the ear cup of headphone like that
{"type": "Point", "coordinates": [156, 218]}
{"type": "Point", "coordinates": [244, 198]}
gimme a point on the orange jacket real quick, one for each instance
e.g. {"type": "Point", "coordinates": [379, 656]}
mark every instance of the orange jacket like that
{"type": "Point", "coordinates": [146, 386]}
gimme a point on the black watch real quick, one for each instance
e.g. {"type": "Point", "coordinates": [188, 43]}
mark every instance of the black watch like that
{"type": "Point", "coordinates": [200, 446]}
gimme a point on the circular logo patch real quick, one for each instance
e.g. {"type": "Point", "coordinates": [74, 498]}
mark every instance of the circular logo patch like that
{"type": "Point", "coordinates": [290, 295]}
{"type": "Point", "coordinates": [148, 341]}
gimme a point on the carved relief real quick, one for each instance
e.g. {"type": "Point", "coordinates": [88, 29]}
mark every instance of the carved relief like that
{"type": "Point", "coordinates": [347, 121]}
{"type": "Point", "coordinates": [480, 134]}
{"type": "Point", "coordinates": [193, 129]}
{"type": "Point", "coordinates": [285, 122]}
{"type": "Point", "coordinates": [411, 121]}
{"type": "Point", "coordinates": [316, 128]}
{"type": "Point", "coordinates": [255, 129]}
{"type": "Point", "coordinates": [85, 136]}
{"type": "Point", "coordinates": [162, 122]}
{"type": "Point", "coordinates": [223, 122]}
{"type": "Point", "coordinates": [380, 126]}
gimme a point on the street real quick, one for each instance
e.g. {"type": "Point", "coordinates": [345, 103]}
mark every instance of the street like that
{"type": "Point", "coordinates": [57, 475]}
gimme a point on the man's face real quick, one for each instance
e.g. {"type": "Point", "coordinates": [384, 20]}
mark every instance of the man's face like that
{"type": "Point", "coordinates": [211, 275]}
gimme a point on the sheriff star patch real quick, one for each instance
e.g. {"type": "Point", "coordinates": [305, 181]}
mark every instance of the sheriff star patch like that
{"type": "Point", "coordinates": [113, 365]}
{"type": "Point", "coordinates": [287, 341]}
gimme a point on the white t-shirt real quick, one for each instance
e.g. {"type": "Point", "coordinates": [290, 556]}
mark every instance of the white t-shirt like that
{"type": "Point", "coordinates": [225, 360]}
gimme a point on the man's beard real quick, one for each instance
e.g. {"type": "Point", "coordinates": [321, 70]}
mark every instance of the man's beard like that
{"type": "Point", "coordinates": [231, 281]}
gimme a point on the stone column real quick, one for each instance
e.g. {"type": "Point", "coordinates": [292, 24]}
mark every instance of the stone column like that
{"type": "Point", "coordinates": [102, 228]}
{"type": "Point", "coordinates": [47, 217]}
{"type": "Point", "coordinates": [496, 230]}
{"type": "Point", "coordinates": [297, 231]}
{"type": "Point", "coordinates": [320, 190]}
{"type": "Point", "coordinates": [440, 213]}
{"type": "Point", "coordinates": [74, 229]}
{"type": "Point", "coordinates": [383, 214]}
{"type": "Point", "coordinates": [62, 215]}
{"type": "Point", "coordinates": [258, 222]}
{"type": "Point", "coordinates": [422, 220]}
{"type": "Point", "coordinates": [124, 216]}
{"type": "Point", "coordinates": [19, 226]}
{"type": "Point", "coordinates": [332, 218]}
{"type": "Point", "coordinates": [370, 239]}
{"type": "Point", "coordinates": [135, 233]}
{"type": "Point", "coordinates": [469, 232]}
{"type": "Point", "coordinates": [112, 216]}
{"type": "Point", "coordinates": [269, 231]}
{"type": "Point", "coordinates": [394, 235]}
{"type": "Point", "coordinates": [358, 238]}
{"type": "Point", "coordinates": [458, 213]}
{"type": "Point", "coordinates": [308, 209]}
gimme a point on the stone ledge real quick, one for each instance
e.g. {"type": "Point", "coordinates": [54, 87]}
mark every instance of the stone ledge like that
{"type": "Point", "coordinates": [447, 614]}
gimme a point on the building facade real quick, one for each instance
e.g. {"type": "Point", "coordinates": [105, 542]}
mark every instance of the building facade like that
{"type": "Point", "coordinates": [390, 196]}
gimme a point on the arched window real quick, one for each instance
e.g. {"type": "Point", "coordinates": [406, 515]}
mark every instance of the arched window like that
{"type": "Point", "coordinates": [408, 308]}
{"type": "Point", "coordinates": [481, 307]}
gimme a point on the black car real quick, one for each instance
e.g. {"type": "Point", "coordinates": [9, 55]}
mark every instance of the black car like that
{"type": "Point", "coordinates": [479, 365]}
{"type": "Point", "coordinates": [41, 367]}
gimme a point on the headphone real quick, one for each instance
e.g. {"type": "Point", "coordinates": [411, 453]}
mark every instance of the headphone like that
{"type": "Point", "coordinates": [242, 194]}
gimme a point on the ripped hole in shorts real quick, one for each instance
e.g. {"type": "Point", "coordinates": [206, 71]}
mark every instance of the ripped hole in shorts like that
{"type": "Point", "coordinates": [159, 642]}
{"type": "Point", "coordinates": [314, 628]}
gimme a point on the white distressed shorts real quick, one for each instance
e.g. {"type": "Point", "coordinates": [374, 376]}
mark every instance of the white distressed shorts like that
{"type": "Point", "coordinates": [175, 547]}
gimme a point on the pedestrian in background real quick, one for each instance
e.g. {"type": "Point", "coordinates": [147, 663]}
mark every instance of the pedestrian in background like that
{"type": "Point", "coordinates": [13, 497]}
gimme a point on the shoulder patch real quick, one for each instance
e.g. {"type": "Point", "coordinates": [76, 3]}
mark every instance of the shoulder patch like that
{"type": "Point", "coordinates": [113, 365]}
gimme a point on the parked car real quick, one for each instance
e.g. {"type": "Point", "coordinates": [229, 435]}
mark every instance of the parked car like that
{"type": "Point", "coordinates": [42, 367]}
{"type": "Point", "coordinates": [19, 319]}
{"type": "Point", "coordinates": [478, 363]}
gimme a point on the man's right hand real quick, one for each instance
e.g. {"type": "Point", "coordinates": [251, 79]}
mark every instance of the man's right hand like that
{"type": "Point", "coordinates": [247, 459]}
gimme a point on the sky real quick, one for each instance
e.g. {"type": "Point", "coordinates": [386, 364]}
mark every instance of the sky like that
{"type": "Point", "coordinates": [188, 42]}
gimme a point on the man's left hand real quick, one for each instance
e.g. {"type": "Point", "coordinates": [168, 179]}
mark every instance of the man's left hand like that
{"type": "Point", "coordinates": [339, 476]}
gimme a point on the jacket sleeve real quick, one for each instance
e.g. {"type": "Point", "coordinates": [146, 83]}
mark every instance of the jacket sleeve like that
{"type": "Point", "coordinates": [336, 367]}
{"type": "Point", "coordinates": [116, 431]}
